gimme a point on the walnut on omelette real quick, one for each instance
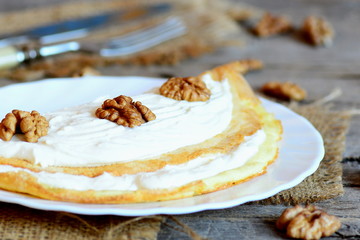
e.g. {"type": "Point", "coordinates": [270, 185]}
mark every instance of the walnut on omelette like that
{"type": "Point", "coordinates": [152, 161]}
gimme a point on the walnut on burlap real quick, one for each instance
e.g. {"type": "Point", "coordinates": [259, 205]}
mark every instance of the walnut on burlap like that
{"type": "Point", "coordinates": [17, 222]}
{"type": "Point", "coordinates": [210, 25]}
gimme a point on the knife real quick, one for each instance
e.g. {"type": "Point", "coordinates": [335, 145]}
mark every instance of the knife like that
{"type": "Point", "coordinates": [77, 28]}
{"type": "Point", "coordinates": [130, 43]}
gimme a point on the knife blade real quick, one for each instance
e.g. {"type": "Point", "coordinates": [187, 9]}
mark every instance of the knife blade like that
{"type": "Point", "coordinates": [136, 41]}
{"type": "Point", "coordinates": [77, 28]}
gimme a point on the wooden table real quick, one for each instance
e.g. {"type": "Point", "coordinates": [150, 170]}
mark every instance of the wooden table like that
{"type": "Point", "coordinates": [318, 70]}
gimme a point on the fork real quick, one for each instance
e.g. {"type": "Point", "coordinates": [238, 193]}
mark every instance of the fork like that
{"type": "Point", "coordinates": [127, 44]}
{"type": "Point", "coordinates": [143, 39]}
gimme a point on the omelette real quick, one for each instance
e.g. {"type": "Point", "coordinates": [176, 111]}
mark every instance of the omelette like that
{"type": "Point", "coordinates": [206, 142]}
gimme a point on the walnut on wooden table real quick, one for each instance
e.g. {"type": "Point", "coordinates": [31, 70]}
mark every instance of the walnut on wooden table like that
{"type": "Point", "coordinates": [189, 88]}
{"type": "Point", "coordinates": [284, 90]}
{"type": "Point", "coordinates": [32, 125]}
{"type": "Point", "coordinates": [317, 31]}
{"type": "Point", "coordinates": [271, 25]}
{"type": "Point", "coordinates": [123, 111]}
{"type": "Point", "coordinates": [247, 65]}
{"type": "Point", "coordinates": [307, 222]}
{"type": "Point", "coordinates": [86, 71]}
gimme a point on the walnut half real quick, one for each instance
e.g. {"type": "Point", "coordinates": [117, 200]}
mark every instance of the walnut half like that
{"type": "Point", "coordinates": [284, 91]}
{"type": "Point", "coordinates": [32, 125]}
{"type": "Point", "coordinates": [307, 223]}
{"type": "Point", "coordinates": [318, 31]}
{"type": "Point", "coordinates": [270, 25]}
{"type": "Point", "coordinates": [123, 111]}
{"type": "Point", "coordinates": [247, 65]}
{"type": "Point", "coordinates": [189, 88]}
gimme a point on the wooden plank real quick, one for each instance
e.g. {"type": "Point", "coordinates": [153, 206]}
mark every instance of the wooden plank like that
{"type": "Point", "coordinates": [317, 70]}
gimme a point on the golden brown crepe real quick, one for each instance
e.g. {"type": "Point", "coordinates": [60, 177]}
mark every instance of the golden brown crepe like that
{"type": "Point", "coordinates": [247, 118]}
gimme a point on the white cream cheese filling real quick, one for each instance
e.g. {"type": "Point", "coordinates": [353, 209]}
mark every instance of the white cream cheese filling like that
{"type": "Point", "coordinates": [78, 138]}
{"type": "Point", "coordinates": [168, 177]}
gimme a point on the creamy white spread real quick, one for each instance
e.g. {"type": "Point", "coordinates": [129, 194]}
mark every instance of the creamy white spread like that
{"type": "Point", "coordinates": [78, 138]}
{"type": "Point", "coordinates": [168, 177]}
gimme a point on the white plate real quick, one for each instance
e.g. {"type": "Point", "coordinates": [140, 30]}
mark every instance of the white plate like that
{"type": "Point", "coordinates": [300, 153]}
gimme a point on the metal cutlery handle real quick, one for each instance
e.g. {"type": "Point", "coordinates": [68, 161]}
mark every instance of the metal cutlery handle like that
{"type": "Point", "coordinates": [13, 40]}
{"type": "Point", "coordinates": [11, 56]}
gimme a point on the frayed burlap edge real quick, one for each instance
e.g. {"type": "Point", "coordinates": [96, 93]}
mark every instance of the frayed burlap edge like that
{"type": "Point", "coordinates": [19, 222]}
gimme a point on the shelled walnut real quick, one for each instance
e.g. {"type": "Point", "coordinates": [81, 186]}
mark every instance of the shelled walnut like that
{"type": "Point", "coordinates": [86, 71]}
{"type": "Point", "coordinates": [270, 25]}
{"type": "Point", "coordinates": [307, 223]}
{"type": "Point", "coordinates": [247, 65]}
{"type": "Point", "coordinates": [123, 111]}
{"type": "Point", "coordinates": [318, 31]}
{"type": "Point", "coordinates": [189, 88]}
{"type": "Point", "coordinates": [32, 125]}
{"type": "Point", "coordinates": [285, 90]}
{"type": "Point", "coordinates": [8, 127]}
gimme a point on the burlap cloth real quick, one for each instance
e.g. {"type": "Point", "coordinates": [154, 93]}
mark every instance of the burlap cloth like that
{"type": "Point", "coordinates": [18, 222]}
{"type": "Point", "coordinates": [326, 182]}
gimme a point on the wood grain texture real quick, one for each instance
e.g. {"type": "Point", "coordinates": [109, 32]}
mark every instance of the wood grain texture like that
{"type": "Point", "coordinates": [286, 58]}
{"type": "Point", "coordinates": [319, 70]}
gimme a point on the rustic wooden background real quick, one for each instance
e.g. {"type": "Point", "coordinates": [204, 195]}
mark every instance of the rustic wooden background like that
{"type": "Point", "coordinates": [319, 70]}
